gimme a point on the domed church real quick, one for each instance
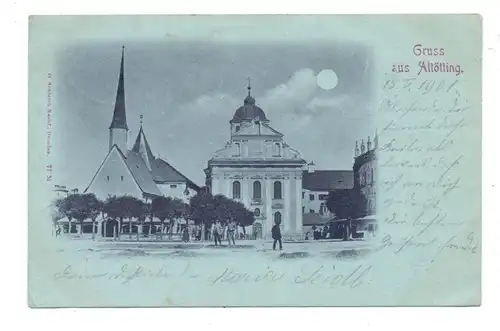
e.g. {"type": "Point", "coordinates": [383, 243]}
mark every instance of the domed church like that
{"type": "Point", "coordinates": [258, 168]}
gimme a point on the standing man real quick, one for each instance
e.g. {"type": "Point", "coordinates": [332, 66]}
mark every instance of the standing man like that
{"type": "Point", "coordinates": [231, 228]}
{"type": "Point", "coordinates": [276, 233]}
{"type": "Point", "coordinates": [217, 233]}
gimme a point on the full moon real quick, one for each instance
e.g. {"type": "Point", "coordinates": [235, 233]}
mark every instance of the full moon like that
{"type": "Point", "coordinates": [327, 79]}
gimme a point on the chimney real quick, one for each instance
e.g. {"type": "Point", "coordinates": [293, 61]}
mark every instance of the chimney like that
{"type": "Point", "coordinates": [311, 167]}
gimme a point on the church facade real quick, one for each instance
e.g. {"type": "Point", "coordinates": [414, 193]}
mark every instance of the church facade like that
{"type": "Point", "coordinates": [258, 168]}
{"type": "Point", "coordinates": [136, 172]}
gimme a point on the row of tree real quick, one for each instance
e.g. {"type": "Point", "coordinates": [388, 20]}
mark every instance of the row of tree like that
{"type": "Point", "coordinates": [203, 209]}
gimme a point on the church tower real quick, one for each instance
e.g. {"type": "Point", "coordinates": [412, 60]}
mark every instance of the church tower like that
{"type": "Point", "coordinates": [260, 170]}
{"type": "Point", "coordinates": [118, 130]}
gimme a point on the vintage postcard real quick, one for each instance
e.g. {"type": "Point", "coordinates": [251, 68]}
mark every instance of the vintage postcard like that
{"type": "Point", "coordinates": [254, 160]}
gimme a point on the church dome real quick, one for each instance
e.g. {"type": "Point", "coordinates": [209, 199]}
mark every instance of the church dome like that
{"type": "Point", "coordinates": [249, 111]}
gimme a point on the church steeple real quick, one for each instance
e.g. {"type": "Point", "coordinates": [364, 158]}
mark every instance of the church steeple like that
{"type": "Point", "coordinates": [118, 130]}
{"type": "Point", "coordinates": [119, 116]}
{"type": "Point", "coordinates": [141, 146]}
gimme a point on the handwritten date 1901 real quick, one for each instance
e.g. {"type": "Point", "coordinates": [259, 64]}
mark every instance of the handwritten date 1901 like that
{"type": "Point", "coordinates": [421, 86]}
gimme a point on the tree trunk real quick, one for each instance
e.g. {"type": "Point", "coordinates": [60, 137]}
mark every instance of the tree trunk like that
{"type": "Point", "coordinates": [139, 230]}
{"type": "Point", "coordinates": [130, 228]}
{"type": "Point", "coordinates": [150, 226]}
{"type": "Point", "coordinates": [119, 230]}
{"type": "Point", "coordinates": [347, 230]}
{"type": "Point", "coordinates": [203, 232]}
{"type": "Point", "coordinates": [161, 229]}
{"type": "Point", "coordinates": [171, 228]}
{"type": "Point", "coordinates": [93, 229]}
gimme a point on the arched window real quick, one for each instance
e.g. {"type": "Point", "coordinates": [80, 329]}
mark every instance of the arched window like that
{"type": "Point", "coordinates": [277, 190]}
{"type": "Point", "coordinates": [277, 218]}
{"type": "Point", "coordinates": [257, 187]}
{"type": "Point", "coordinates": [236, 190]}
{"type": "Point", "coordinates": [237, 128]}
{"type": "Point", "coordinates": [256, 212]}
{"type": "Point", "coordinates": [276, 149]}
{"type": "Point", "coordinates": [237, 149]}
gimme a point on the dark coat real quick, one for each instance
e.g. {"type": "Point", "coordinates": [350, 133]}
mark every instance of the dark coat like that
{"type": "Point", "coordinates": [276, 232]}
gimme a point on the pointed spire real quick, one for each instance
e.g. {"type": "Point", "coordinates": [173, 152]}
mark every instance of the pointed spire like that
{"type": "Point", "coordinates": [375, 140]}
{"type": "Point", "coordinates": [356, 150]}
{"type": "Point", "coordinates": [119, 120]}
{"type": "Point", "coordinates": [362, 146]}
{"type": "Point", "coordinates": [368, 144]}
{"type": "Point", "coordinates": [249, 85]}
{"type": "Point", "coordinates": [141, 146]}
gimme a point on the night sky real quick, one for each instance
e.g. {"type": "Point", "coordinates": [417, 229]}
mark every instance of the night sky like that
{"type": "Point", "coordinates": [188, 92]}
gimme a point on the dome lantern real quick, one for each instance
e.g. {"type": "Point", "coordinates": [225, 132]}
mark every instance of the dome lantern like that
{"type": "Point", "coordinates": [249, 111]}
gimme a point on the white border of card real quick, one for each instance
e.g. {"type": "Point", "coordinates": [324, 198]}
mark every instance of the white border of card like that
{"type": "Point", "coordinates": [373, 317]}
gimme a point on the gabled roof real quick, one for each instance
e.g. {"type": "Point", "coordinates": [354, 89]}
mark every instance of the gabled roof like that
{"type": "Point", "coordinates": [159, 170]}
{"type": "Point", "coordinates": [327, 180]}
{"type": "Point", "coordinates": [141, 146]}
{"type": "Point", "coordinates": [137, 168]}
{"type": "Point", "coordinates": [141, 173]}
{"type": "Point", "coordinates": [255, 129]}
{"type": "Point", "coordinates": [162, 171]}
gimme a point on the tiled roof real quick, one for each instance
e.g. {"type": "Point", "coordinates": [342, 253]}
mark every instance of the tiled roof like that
{"type": "Point", "coordinates": [327, 180]}
{"type": "Point", "coordinates": [141, 173]}
{"type": "Point", "coordinates": [141, 146]}
{"type": "Point", "coordinates": [162, 171]}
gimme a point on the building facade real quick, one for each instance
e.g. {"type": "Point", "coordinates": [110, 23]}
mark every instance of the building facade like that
{"type": "Point", "coordinates": [135, 172]}
{"type": "Point", "coordinates": [317, 184]}
{"type": "Point", "coordinates": [365, 178]}
{"type": "Point", "coordinates": [258, 168]}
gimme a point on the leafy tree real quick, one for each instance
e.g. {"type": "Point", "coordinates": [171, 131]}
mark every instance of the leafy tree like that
{"type": "Point", "coordinates": [113, 210]}
{"type": "Point", "coordinates": [94, 207]}
{"type": "Point", "coordinates": [202, 208]}
{"type": "Point", "coordinates": [224, 208]}
{"type": "Point", "coordinates": [347, 205]}
{"type": "Point", "coordinates": [206, 208]}
{"type": "Point", "coordinates": [66, 206]}
{"type": "Point", "coordinates": [145, 214]}
{"type": "Point", "coordinates": [78, 209]}
{"type": "Point", "coordinates": [243, 216]}
{"type": "Point", "coordinates": [179, 209]}
{"type": "Point", "coordinates": [56, 211]}
{"type": "Point", "coordinates": [131, 208]}
{"type": "Point", "coordinates": [162, 208]}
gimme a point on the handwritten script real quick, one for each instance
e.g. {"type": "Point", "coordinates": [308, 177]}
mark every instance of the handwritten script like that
{"type": "Point", "coordinates": [321, 275]}
{"type": "Point", "coordinates": [423, 165]}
